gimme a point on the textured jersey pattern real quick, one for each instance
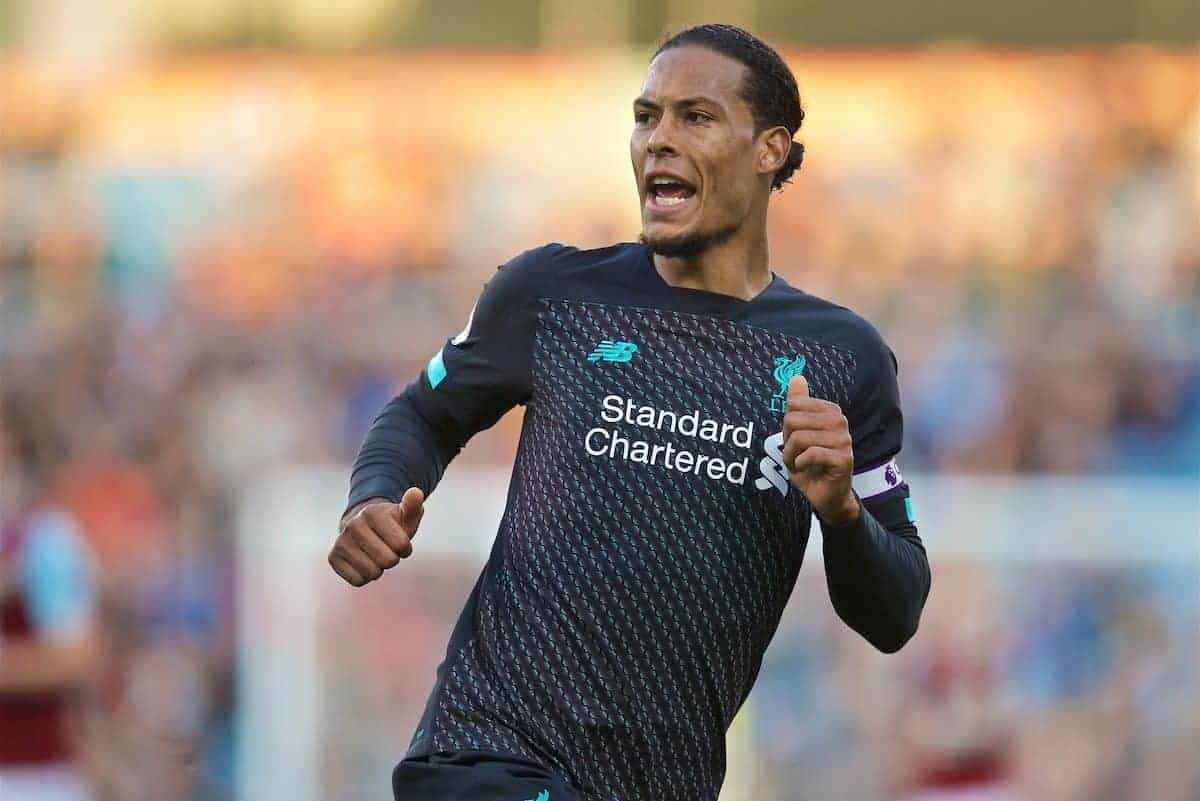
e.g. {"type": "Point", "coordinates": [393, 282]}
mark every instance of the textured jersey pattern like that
{"type": "Point", "coordinates": [626, 622]}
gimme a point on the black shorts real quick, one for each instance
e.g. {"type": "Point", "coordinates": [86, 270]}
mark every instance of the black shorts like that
{"type": "Point", "coordinates": [477, 776]}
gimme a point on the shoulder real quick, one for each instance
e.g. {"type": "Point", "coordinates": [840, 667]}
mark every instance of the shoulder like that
{"type": "Point", "coordinates": [557, 257]}
{"type": "Point", "coordinates": [538, 258]}
{"type": "Point", "coordinates": [529, 266]}
{"type": "Point", "coordinates": [540, 270]}
{"type": "Point", "coordinates": [867, 366]}
{"type": "Point", "coordinates": [815, 318]}
{"type": "Point", "coordinates": [873, 354]}
{"type": "Point", "coordinates": [521, 278]}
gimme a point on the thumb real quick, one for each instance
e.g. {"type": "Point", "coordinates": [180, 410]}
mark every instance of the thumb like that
{"type": "Point", "coordinates": [798, 386]}
{"type": "Point", "coordinates": [411, 506]}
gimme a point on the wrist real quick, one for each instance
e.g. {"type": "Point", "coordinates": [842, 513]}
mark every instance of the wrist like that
{"type": "Point", "coordinates": [845, 514]}
{"type": "Point", "coordinates": [353, 510]}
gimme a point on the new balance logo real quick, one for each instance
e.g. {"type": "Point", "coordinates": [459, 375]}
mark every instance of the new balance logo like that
{"type": "Point", "coordinates": [544, 795]}
{"type": "Point", "coordinates": [610, 351]}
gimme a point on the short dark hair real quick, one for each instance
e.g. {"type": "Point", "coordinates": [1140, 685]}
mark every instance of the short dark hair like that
{"type": "Point", "coordinates": [770, 89]}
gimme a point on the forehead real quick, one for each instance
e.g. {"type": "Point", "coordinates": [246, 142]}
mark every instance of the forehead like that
{"type": "Point", "coordinates": [691, 71]}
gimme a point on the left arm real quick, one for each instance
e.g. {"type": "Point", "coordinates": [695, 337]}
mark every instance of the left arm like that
{"type": "Point", "coordinates": [878, 578]}
{"type": "Point", "coordinates": [875, 564]}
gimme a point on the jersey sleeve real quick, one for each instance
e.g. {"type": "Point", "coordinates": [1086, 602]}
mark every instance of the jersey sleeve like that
{"type": "Point", "coordinates": [484, 370]}
{"type": "Point", "coordinates": [875, 566]}
{"type": "Point", "coordinates": [467, 385]}
{"type": "Point", "coordinates": [877, 428]}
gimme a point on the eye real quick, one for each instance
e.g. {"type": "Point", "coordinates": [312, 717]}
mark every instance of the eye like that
{"type": "Point", "coordinates": [697, 117]}
{"type": "Point", "coordinates": [641, 117]}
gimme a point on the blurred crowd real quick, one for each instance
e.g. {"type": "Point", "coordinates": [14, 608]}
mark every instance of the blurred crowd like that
{"type": "Point", "coordinates": [171, 331]}
{"type": "Point", "coordinates": [1061, 683]}
{"type": "Point", "coordinates": [1042, 295]}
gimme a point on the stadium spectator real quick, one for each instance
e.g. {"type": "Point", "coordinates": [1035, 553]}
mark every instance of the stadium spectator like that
{"type": "Point", "coordinates": [48, 639]}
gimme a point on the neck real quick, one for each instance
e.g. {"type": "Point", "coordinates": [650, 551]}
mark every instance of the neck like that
{"type": "Point", "coordinates": [739, 267]}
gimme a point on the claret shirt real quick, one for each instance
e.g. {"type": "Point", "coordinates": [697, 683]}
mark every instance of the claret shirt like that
{"type": "Point", "coordinates": [651, 536]}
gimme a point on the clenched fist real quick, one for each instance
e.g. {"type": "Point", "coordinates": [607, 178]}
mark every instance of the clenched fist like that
{"type": "Point", "coordinates": [819, 454]}
{"type": "Point", "coordinates": [376, 535]}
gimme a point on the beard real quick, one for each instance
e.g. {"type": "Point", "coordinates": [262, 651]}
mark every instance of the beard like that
{"type": "Point", "coordinates": [687, 246]}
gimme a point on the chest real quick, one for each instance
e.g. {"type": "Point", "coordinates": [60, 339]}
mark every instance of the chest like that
{"type": "Point", "coordinates": [627, 387]}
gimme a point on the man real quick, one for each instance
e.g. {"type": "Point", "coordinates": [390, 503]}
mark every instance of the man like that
{"type": "Point", "coordinates": [687, 413]}
{"type": "Point", "coordinates": [48, 641]}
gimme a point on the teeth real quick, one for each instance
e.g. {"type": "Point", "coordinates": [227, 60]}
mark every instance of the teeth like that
{"type": "Point", "coordinates": [670, 201]}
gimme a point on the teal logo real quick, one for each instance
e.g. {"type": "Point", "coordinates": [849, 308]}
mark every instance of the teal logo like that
{"type": "Point", "coordinates": [544, 795]}
{"type": "Point", "coordinates": [611, 351]}
{"type": "Point", "coordinates": [435, 371]}
{"type": "Point", "coordinates": [785, 370]}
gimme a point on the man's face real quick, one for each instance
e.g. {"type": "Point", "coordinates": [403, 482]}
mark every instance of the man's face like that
{"type": "Point", "coordinates": [694, 151]}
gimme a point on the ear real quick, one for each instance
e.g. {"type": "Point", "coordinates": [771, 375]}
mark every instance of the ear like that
{"type": "Point", "coordinates": [774, 144]}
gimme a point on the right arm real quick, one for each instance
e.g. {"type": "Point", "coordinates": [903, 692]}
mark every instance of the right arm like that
{"type": "Point", "coordinates": [467, 386]}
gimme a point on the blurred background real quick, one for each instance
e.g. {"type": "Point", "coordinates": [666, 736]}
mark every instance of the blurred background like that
{"type": "Point", "coordinates": [230, 230]}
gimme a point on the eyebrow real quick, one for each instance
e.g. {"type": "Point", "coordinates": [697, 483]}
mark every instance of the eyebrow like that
{"type": "Point", "coordinates": [683, 101]}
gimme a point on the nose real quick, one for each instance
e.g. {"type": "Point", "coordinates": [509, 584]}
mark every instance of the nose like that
{"type": "Point", "coordinates": [661, 139]}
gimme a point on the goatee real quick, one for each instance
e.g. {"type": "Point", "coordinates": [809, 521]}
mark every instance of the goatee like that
{"type": "Point", "coordinates": [688, 245]}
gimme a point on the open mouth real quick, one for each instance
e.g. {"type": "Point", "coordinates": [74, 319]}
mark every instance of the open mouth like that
{"type": "Point", "coordinates": [668, 193]}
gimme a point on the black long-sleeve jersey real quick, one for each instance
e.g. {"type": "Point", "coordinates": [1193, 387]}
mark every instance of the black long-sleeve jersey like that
{"type": "Point", "coordinates": [651, 537]}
